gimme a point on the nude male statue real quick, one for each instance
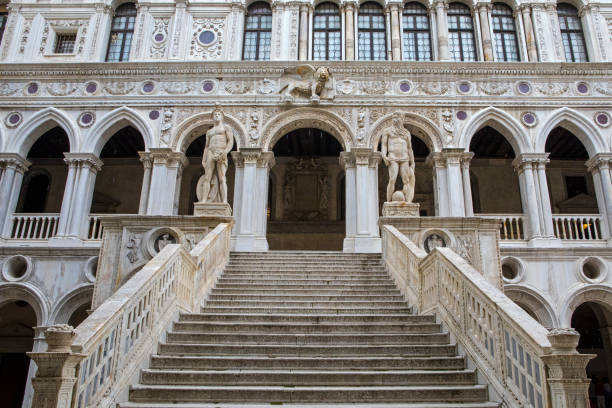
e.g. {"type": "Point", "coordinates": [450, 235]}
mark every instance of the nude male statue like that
{"type": "Point", "coordinates": [219, 142]}
{"type": "Point", "coordinates": [396, 149]}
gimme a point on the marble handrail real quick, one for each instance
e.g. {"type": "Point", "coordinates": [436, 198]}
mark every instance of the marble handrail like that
{"type": "Point", "coordinates": [523, 363]}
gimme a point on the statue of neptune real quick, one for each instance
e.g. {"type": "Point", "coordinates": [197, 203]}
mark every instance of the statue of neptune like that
{"type": "Point", "coordinates": [212, 186]}
{"type": "Point", "coordinates": [396, 149]}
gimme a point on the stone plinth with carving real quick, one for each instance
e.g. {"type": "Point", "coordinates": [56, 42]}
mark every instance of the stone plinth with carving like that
{"type": "Point", "coordinates": [212, 209]}
{"type": "Point", "coordinates": [400, 209]}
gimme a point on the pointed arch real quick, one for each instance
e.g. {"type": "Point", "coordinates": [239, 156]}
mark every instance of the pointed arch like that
{"type": "Point", "coordinates": [422, 127]}
{"type": "Point", "coordinates": [39, 123]}
{"type": "Point", "coordinates": [28, 293]}
{"type": "Point", "coordinates": [600, 294]}
{"type": "Point", "coordinates": [578, 124]}
{"type": "Point", "coordinates": [300, 118]}
{"type": "Point", "coordinates": [501, 121]}
{"type": "Point", "coordinates": [186, 131]}
{"type": "Point", "coordinates": [535, 302]}
{"type": "Point", "coordinates": [111, 123]}
{"type": "Point", "coordinates": [70, 302]}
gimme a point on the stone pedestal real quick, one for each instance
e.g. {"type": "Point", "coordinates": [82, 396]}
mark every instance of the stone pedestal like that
{"type": "Point", "coordinates": [212, 209]}
{"type": "Point", "coordinates": [400, 209]}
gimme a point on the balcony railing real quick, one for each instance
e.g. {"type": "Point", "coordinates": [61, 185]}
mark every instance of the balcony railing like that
{"type": "Point", "coordinates": [577, 226]}
{"type": "Point", "coordinates": [512, 225]}
{"type": "Point", "coordinates": [34, 226]}
{"type": "Point", "coordinates": [95, 230]}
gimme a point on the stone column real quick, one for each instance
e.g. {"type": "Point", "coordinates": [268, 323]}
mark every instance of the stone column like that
{"type": "Point", "coordinates": [164, 177]}
{"type": "Point", "coordinates": [566, 370]}
{"type": "Point", "coordinates": [361, 176]}
{"type": "Point", "coordinates": [485, 30]}
{"type": "Point", "coordinates": [449, 181]}
{"type": "Point", "coordinates": [56, 374]}
{"type": "Point", "coordinates": [532, 50]}
{"type": "Point", "coordinates": [147, 162]}
{"type": "Point", "coordinates": [606, 337]}
{"type": "Point", "coordinates": [466, 158]}
{"type": "Point", "coordinates": [236, 33]}
{"type": "Point", "coordinates": [595, 31]}
{"type": "Point", "coordinates": [599, 167]}
{"type": "Point", "coordinates": [86, 167]}
{"type": "Point", "coordinates": [442, 24]}
{"type": "Point", "coordinates": [349, 13]}
{"type": "Point", "coordinates": [303, 50]}
{"type": "Point", "coordinates": [12, 168]}
{"type": "Point", "coordinates": [71, 181]}
{"type": "Point", "coordinates": [396, 37]}
{"type": "Point", "coordinates": [439, 183]}
{"type": "Point", "coordinates": [540, 162]}
{"type": "Point", "coordinates": [250, 199]}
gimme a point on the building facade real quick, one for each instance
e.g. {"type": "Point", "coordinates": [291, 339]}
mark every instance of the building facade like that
{"type": "Point", "coordinates": [104, 107]}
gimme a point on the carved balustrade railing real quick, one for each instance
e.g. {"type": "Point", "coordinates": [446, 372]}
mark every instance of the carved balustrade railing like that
{"type": "Point", "coordinates": [95, 230]}
{"type": "Point", "coordinates": [577, 227]}
{"type": "Point", "coordinates": [116, 340]}
{"type": "Point", "coordinates": [524, 364]}
{"type": "Point", "coordinates": [511, 225]}
{"type": "Point", "coordinates": [34, 226]}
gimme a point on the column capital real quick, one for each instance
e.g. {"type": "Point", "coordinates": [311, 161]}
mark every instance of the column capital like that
{"type": "Point", "coordinates": [103, 8]}
{"type": "Point", "coordinates": [360, 156]}
{"type": "Point", "coordinates": [163, 155]}
{"type": "Point", "coordinates": [466, 158]}
{"type": "Point", "coordinates": [550, 7]}
{"type": "Point", "coordinates": [600, 161]}
{"type": "Point", "coordinates": [83, 159]}
{"type": "Point", "coordinates": [248, 155]}
{"type": "Point", "coordinates": [450, 155]}
{"type": "Point", "coordinates": [14, 160]}
{"type": "Point", "coordinates": [484, 5]}
{"type": "Point", "coordinates": [533, 160]}
{"type": "Point", "coordinates": [439, 4]}
{"type": "Point", "coordinates": [352, 4]}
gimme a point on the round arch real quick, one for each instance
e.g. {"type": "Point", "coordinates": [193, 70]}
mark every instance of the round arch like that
{"type": "Point", "coordinates": [576, 123]}
{"type": "Point", "coordinates": [37, 125]}
{"type": "Point", "coordinates": [600, 294]}
{"type": "Point", "coordinates": [500, 121]}
{"type": "Point", "coordinates": [536, 303]}
{"type": "Point", "coordinates": [70, 302]}
{"type": "Point", "coordinates": [426, 130]}
{"type": "Point", "coordinates": [300, 118]}
{"type": "Point", "coordinates": [186, 131]}
{"type": "Point", "coordinates": [28, 293]}
{"type": "Point", "coordinates": [111, 123]}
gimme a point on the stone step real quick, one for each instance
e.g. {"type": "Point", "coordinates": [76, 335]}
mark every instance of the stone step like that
{"type": "Point", "coordinates": [311, 311]}
{"type": "Point", "coordinates": [311, 260]}
{"type": "Point", "coordinates": [306, 377]}
{"type": "Point", "coordinates": [308, 254]}
{"type": "Point", "coordinates": [279, 394]}
{"type": "Point", "coordinates": [303, 292]}
{"type": "Point", "coordinates": [313, 363]}
{"type": "Point", "coordinates": [304, 281]}
{"type": "Point", "coordinates": [305, 286]}
{"type": "Point", "coordinates": [309, 328]}
{"type": "Point", "coordinates": [305, 304]}
{"type": "Point", "coordinates": [331, 269]}
{"type": "Point", "coordinates": [303, 275]}
{"type": "Point", "coordinates": [228, 295]}
{"type": "Point", "coordinates": [311, 405]}
{"type": "Point", "coordinates": [305, 318]}
{"type": "Point", "coordinates": [310, 350]}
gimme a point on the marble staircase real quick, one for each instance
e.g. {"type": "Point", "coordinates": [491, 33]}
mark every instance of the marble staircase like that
{"type": "Point", "coordinates": [307, 329]}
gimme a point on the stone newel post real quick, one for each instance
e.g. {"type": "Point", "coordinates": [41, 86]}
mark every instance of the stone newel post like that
{"type": "Point", "coordinates": [56, 374]}
{"type": "Point", "coordinates": [566, 370]}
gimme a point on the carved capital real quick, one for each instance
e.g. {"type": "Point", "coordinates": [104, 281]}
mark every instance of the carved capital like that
{"type": "Point", "coordinates": [530, 161]}
{"type": "Point", "coordinates": [360, 156]}
{"type": "Point", "coordinates": [146, 159]}
{"type": "Point", "coordinates": [466, 159]}
{"type": "Point", "coordinates": [88, 160]}
{"type": "Point", "coordinates": [599, 162]}
{"type": "Point", "coordinates": [247, 155]}
{"type": "Point", "coordinates": [14, 160]}
{"type": "Point", "coordinates": [266, 159]}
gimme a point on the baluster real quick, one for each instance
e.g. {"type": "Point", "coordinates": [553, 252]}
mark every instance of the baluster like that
{"type": "Point", "coordinates": [564, 223]}
{"type": "Point", "coordinates": [519, 223]}
{"type": "Point", "coordinates": [586, 228]}
{"type": "Point", "coordinates": [30, 224]}
{"type": "Point", "coordinates": [573, 226]}
{"type": "Point", "coordinates": [597, 229]}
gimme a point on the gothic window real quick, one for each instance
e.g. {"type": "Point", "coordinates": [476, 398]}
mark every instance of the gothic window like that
{"type": "Point", "coordinates": [326, 33]}
{"type": "Point", "coordinates": [416, 35]}
{"type": "Point", "coordinates": [3, 18]}
{"type": "Point", "coordinates": [257, 32]}
{"type": "Point", "coordinates": [504, 33]}
{"type": "Point", "coordinates": [571, 33]}
{"type": "Point", "coordinates": [372, 32]}
{"type": "Point", "coordinates": [461, 43]}
{"type": "Point", "coordinates": [122, 31]}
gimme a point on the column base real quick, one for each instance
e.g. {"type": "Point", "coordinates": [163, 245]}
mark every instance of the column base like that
{"type": "Point", "coordinates": [362, 245]}
{"type": "Point", "coordinates": [248, 243]}
{"type": "Point", "coordinates": [400, 209]}
{"type": "Point", "coordinates": [212, 209]}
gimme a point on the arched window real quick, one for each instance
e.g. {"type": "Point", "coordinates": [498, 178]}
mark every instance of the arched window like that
{"type": "Point", "coordinates": [122, 31]}
{"type": "Point", "coordinates": [416, 36]}
{"type": "Point", "coordinates": [257, 32]}
{"type": "Point", "coordinates": [461, 45]}
{"type": "Point", "coordinates": [571, 33]}
{"type": "Point", "coordinates": [504, 33]}
{"type": "Point", "coordinates": [3, 18]}
{"type": "Point", "coordinates": [372, 32]}
{"type": "Point", "coordinates": [326, 33]}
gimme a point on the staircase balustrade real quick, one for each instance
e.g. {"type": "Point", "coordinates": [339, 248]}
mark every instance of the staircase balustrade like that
{"type": "Point", "coordinates": [523, 363]}
{"type": "Point", "coordinates": [95, 229]}
{"type": "Point", "coordinates": [116, 340]}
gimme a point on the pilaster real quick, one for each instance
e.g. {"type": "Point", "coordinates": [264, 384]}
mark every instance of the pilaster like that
{"type": "Point", "coordinates": [485, 30]}
{"type": "Point", "coordinates": [394, 9]}
{"type": "Point", "coordinates": [442, 23]}
{"type": "Point", "coordinates": [304, 36]}
{"type": "Point", "coordinates": [12, 168]}
{"type": "Point", "coordinates": [349, 8]}
{"type": "Point", "coordinates": [180, 20]}
{"type": "Point", "coordinates": [530, 41]}
{"type": "Point", "coordinates": [599, 166]}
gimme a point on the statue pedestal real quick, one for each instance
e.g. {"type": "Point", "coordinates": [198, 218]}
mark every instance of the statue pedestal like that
{"type": "Point", "coordinates": [217, 209]}
{"type": "Point", "coordinates": [400, 209]}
